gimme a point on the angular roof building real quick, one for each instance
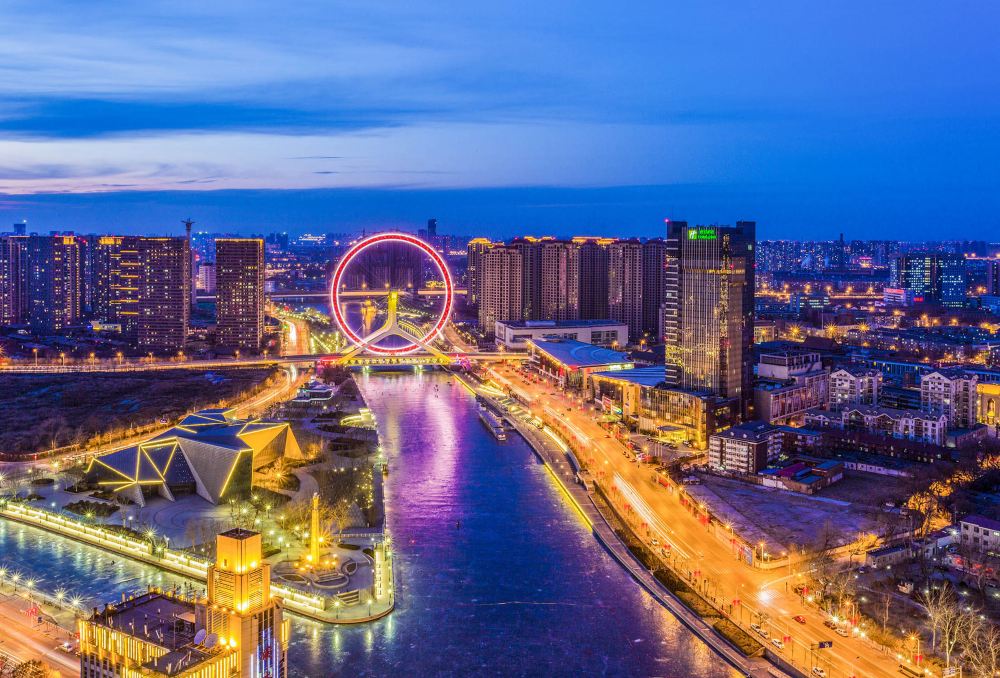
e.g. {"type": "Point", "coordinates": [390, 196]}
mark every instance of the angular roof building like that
{"type": "Point", "coordinates": [210, 453]}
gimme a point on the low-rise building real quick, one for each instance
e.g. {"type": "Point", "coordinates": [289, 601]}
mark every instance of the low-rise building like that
{"type": "Point", "coordinates": [854, 385]}
{"type": "Point", "coordinates": [928, 427]}
{"type": "Point", "coordinates": [639, 398]}
{"type": "Point", "coordinates": [570, 363]}
{"type": "Point", "coordinates": [745, 448]}
{"type": "Point", "coordinates": [980, 533]}
{"type": "Point", "coordinates": [790, 382]}
{"type": "Point", "coordinates": [514, 335]}
{"type": "Point", "coordinates": [805, 475]}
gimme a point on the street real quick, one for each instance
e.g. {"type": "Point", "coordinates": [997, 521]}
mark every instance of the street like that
{"type": "Point", "coordinates": [756, 596]}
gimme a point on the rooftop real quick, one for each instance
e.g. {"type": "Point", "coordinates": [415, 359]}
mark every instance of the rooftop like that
{"type": "Point", "coordinates": [579, 354]}
{"type": "Point", "coordinates": [558, 324]}
{"type": "Point", "coordinates": [644, 376]}
{"type": "Point", "coordinates": [983, 522]}
{"type": "Point", "coordinates": [160, 619]}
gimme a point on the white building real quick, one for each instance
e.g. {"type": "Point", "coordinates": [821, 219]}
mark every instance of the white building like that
{"type": "Point", "coordinates": [746, 448]}
{"type": "Point", "coordinates": [953, 392]}
{"type": "Point", "coordinates": [513, 335]}
{"type": "Point", "coordinates": [927, 427]}
{"type": "Point", "coordinates": [980, 533]}
{"type": "Point", "coordinates": [854, 385]}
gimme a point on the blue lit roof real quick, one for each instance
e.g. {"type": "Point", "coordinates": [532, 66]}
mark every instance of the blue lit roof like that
{"type": "Point", "coordinates": [644, 376]}
{"type": "Point", "coordinates": [573, 353]}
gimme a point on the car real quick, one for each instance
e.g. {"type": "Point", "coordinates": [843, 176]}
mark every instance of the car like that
{"type": "Point", "coordinates": [654, 542]}
{"type": "Point", "coordinates": [829, 624]}
{"type": "Point", "coordinates": [777, 643]}
{"type": "Point", "coordinates": [842, 632]}
{"type": "Point", "coordinates": [799, 618]}
{"type": "Point", "coordinates": [817, 671]}
{"type": "Point", "coordinates": [760, 630]}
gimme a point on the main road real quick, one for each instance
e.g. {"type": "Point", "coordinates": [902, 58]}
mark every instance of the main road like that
{"type": "Point", "coordinates": [758, 591]}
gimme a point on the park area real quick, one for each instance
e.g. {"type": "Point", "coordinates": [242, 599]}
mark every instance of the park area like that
{"type": "Point", "coordinates": [47, 411]}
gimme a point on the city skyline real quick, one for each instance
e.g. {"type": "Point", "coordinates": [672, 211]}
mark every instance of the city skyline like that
{"type": "Point", "coordinates": [557, 118]}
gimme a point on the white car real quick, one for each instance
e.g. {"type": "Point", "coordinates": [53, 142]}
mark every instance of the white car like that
{"type": "Point", "coordinates": [777, 643]}
{"type": "Point", "coordinates": [760, 630]}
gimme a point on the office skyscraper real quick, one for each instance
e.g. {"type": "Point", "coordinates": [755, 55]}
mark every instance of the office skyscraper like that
{"type": "Point", "coordinates": [708, 312]}
{"type": "Point", "coordinates": [164, 293]}
{"type": "Point", "coordinates": [13, 279]}
{"type": "Point", "coordinates": [500, 291]}
{"type": "Point", "coordinates": [625, 285]}
{"type": "Point", "coordinates": [932, 277]}
{"type": "Point", "coordinates": [239, 272]}
{"type": "Point", "coordinates": [53, 288]}
{"type": "Point", "coordinates": [993, 278]}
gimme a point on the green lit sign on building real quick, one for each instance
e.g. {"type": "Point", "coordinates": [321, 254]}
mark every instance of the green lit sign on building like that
{"type": "Point", "coordinates": [702, 234]}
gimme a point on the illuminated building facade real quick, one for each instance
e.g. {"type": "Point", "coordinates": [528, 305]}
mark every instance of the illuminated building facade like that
{"type": "Point", "coordinates": [500, 295]}
{"type": "Point", "coordinates": [239, 270]}
{"type": "Point", "coordinates": [473, 270]}
{"type": "Point", "coordinates": [115, 275]}
{"type": "Point", "coordinates": [559, 280]}
{"type": "Point", "coordinates": [993, 278]}
{"type": "Point", "coordinates": [13, 279]}
{"type": "Point", "coordinates": [210, 453]}
{"type": "Point", "coordinates": [54, 282]}
{"type": "Point", "coordinates": [989, 404]}
{"type": "Point", "coordinates": [708, 310]}
{"type": "Point", "coordinates": [239, 630]}
{"type": "Point", "coordinates": [639, 398]}
{"type": "Point", "coordinates": [654, 277]}
{"type": "Point", "coordinates": [854, 385]}
{"type": "Point", "coordinates": [932, 277]}
{"type": "Point", "coordinates": [952, 392]}
{"type": "Point", "coordinates": [164, 293]}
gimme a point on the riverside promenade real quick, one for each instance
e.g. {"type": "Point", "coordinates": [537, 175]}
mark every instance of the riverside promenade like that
{"type": "Point", "coordinates": [553, 452]}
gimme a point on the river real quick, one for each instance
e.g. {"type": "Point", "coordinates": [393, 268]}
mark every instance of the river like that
{"type": "Point", "coordinates": [496, 574]}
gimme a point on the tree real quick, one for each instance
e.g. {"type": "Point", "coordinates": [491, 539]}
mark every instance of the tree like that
{"type": "Point", "coordinates": [940, 604]}
{"type": "Point", "coordinates": [982, 648]}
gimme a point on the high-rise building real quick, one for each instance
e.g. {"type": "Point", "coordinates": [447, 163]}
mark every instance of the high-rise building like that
{"type": "Point", "coordinates": [953, 392]}
{"type": "Point", "coordinates": [474, 256]}
{"type": "Point", "coordinates": [932, 277]}
{"type": "Point", "coordinates": [559, 280]}
{"type": "Point", "coordinates": [854, 385]}
{"type": "Point", "coordinates": [531, 275]}
{"type": "Point", "coordinates": [13, 279]}
{"type": "Point", "coordinates": [625, 285]}
{"type": "Point", "coordinates": [238, 631]}
{"type": "Point", "coordinates": [708, 310]}
{"type": "Point", "coordinates": [207, 277]}
{"type": "Point", "coordinates": [500, 291]}
{"type": "Point", "coordinates": [593, 275]}
{"type": "Point", "coordinates": [115, 275]}
{"type": "Point", "coordinates": [53, 288]}
{"type": "Point", "coordinates": [993, 278]}
{"type": "Point", "coordinates": [654, 275]}
{"type": "Point", "coordinates": [164, 294]}
{"type": "Point", "coordinates": [239, 297]}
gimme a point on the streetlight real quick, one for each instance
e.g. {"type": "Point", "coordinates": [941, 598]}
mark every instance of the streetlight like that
{"type": "Point", "coordinates": [35, 351]}
{"type": "Point", "coordinates": [62, 358]}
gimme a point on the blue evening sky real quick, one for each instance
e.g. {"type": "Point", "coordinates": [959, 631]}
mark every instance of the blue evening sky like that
{"type": "Point", "coordinates": [876, 119]}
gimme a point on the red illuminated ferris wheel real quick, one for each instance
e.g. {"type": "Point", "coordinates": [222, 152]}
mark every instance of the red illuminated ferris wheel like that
{"type": "Point", "coordinates": [391, 327]}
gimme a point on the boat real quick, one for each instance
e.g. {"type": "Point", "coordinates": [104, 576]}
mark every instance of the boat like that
{"type": "Point", "coordinates": [493, 421]}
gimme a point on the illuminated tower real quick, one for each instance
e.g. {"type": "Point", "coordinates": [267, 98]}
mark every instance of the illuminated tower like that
{"type": "Point", "coordinates": [314, 536]}
{"type": "Point", "coordinates": [240, 609]}
{"type": "Point", "coordinates": [239, 275]}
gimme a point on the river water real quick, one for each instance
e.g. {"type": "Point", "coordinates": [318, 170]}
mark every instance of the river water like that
{"type": "Point", "coordinates": [496, 574]}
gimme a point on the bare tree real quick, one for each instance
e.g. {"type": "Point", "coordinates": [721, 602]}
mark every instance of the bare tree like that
{"type": "Point", "coordinates": [956, 625]}
{"type": "Point", "coordinates": [940, 604]}
{"type": "Point", "coordinates": [982, 648]}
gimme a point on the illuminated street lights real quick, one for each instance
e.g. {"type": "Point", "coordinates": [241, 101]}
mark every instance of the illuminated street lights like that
{"type": "Point", "coordinates": [35, 351]}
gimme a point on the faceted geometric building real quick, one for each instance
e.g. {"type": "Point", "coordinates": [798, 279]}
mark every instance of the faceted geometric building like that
{"type": "Point", "coordinates": [210, 453]}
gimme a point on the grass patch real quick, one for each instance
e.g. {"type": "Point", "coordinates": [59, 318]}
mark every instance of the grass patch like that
{"type": "Point", "coordinates": [88, 509]}
{"type": "Point", "coordinates": [43, 411]}
{"type": "Point", "coordinates": [746, 643]}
